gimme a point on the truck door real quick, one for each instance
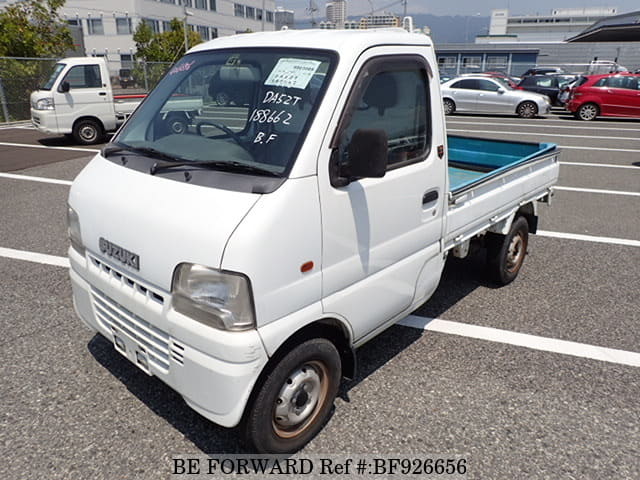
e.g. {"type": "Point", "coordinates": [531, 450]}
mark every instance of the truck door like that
{"type": "Point", "coordinates": [87, 96]}
{"type": "Point", "coordinates": [378, 234]}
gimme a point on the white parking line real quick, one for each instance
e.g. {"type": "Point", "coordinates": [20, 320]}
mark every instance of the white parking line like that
{"type": "Point", "coordinates": [601, 149]}
{"type": "Point", "coordinates": [35, 179]}
{"type": "Point", "coordinates": [34, 257]}
{"type": "Point", "coordinates": [534, 342]}
{"type": "Point", "coordinates": [436, 325]}
{"type": "Point", "coordinates": [589, 238]}
{"type": "Point", "coordinates": [543, 125]}
{"type": "Point", "coordinates": [538, 134]}
{"type": "Point", "coordinates": [603, 165]}
{"type": "Point", "coordinates": [26, 145]}
{"type": "Point", "coordinates": [596, 190]}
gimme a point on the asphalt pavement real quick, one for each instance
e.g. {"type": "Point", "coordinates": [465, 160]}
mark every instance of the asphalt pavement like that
{"type": "Point", "coordinates": [74, 408]}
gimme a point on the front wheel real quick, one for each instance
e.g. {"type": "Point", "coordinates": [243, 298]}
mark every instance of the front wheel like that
{"type": "Point", "coordinates": [527, 110]}
{"type": "Point", "coordinates": [295, 399]}
{"type": "Point", "coordinates": [449, 106]}
{"type": "Point", "coordinates": [505, 253]}
{"type": "Point", "coordinates": [587, 112]}
{"type": "Point", "coordinates": [87, 132]}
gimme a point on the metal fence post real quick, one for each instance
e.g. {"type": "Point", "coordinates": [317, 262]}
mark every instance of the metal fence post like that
{"type": "Point", "coordinates": [3, 100]}
{"type": "Point", "coordinates": [144, 69]}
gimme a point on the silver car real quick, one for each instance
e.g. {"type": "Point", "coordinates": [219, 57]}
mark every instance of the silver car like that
{"type": "Point", "coordinates": [480, 94]}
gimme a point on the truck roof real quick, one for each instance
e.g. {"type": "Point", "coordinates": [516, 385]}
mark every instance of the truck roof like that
{"type": "Point", "coordinates": [342, 41]}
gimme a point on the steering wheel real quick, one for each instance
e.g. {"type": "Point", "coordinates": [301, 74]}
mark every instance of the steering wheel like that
{"type": "Point", "coordinates": [224, 128]}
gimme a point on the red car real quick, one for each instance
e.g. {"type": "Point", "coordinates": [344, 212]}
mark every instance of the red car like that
{"type": "Point", "coordinates": [610, 95]}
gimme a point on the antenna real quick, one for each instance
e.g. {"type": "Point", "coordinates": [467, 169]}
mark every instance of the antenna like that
{"type": "Point", "coordinates": [312, 9]}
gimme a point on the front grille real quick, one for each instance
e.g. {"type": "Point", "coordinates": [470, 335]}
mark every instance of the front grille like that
{"type": "Point", "coordinates": [126, 280]}
{"type": "Point", "coordinates": [155, 341]}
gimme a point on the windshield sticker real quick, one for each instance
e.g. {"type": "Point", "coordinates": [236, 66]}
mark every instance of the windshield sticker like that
{"type": "Point", "coordinates": [183, 67]}
{"type": "Point", "coordinates": [292, 73]}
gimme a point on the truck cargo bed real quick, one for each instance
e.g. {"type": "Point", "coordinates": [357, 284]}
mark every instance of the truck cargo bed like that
{"type": "Point", "coordinates": [490, 179]}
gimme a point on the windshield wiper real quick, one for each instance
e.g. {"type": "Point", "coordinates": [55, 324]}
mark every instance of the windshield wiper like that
{"type": "Point", "coordinates": [227, 166]}
{"type": "Point", "coordinates": [146, 151]}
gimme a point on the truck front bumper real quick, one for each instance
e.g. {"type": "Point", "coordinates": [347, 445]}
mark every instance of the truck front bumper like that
{"type": "Point", "coordinates": [214, 371]}
{"type": "Point", "coordinates": [45, 121]}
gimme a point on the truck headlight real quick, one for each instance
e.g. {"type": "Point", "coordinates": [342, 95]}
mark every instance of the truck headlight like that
{"type": "Point", "coordinates": [45, 104]}
{"type": "Point", "coordinates": [217, 298]}
{"type": "Point", "coordinates": [73, 224]}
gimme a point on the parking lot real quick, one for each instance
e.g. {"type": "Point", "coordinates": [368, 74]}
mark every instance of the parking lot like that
{"type": "Point", "coordinates": [538, 379]}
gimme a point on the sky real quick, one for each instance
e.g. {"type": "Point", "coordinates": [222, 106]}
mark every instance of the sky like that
{"type": "Point", "coordinates": [462, 7]}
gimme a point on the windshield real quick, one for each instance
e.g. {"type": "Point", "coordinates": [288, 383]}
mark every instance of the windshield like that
{"type": "Point", "coordinates": [58, 67]}
{"type": "Point", "coordinates": [244, 106]}
{"type": "Point", "coordinates": [505, 83]}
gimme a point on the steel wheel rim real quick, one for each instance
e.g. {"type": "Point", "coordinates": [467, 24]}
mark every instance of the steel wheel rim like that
{"type": "Point", "coordinates": [178, 127]}
{"type": "Point", "coordinates": [300, 399]}
{"type": "Point", "coordinates": [588, 112]}
{"type": "Point", "coordinates": [223, 98]}
{"type": "Point", "coordinates": [448, 107]}
{"type": "Point", "coordinates": [515, 252]}
{"type": "Point", "coordinates": [88, 133]}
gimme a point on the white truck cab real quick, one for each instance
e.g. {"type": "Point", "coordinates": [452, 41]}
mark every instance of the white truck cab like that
{"type": "Point", "coordinates": [78, 100]}
{"type": "Point", "coordinates": [243, 259]}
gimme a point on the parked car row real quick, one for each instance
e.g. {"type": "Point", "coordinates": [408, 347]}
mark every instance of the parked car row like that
{"type": "Point", "coordinates": [586, 96]}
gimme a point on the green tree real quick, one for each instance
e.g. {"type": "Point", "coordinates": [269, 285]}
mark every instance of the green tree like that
{"type": "Point", "coordinates": [33, 28]}
{"type": "Point", "coordinates": [29, 28]}
{"type": "Point", "coordinates": [159, 50]}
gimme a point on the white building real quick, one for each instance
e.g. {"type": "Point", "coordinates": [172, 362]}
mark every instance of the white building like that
{"type": "Point", "coordinates": [336, 12]}
{"type": "Point", "coordinates": [561, 24]}
{"type": "Point", "coordinates": [284, 18]}
{"type": "Point", "coordinates": [108, 27]}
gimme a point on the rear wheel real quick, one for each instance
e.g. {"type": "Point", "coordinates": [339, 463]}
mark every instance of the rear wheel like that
{"type": "Point", "coordinates": [587, 112]}
{"type": "Point", "coordinates": [295, 399]}
{"type": "Point", "coordinates": [505, 253]}
{"type": "Point", "coordinates": [449, 106]}
{"type": "Point", "coordinates": [527, 110]}
{"type": "Point", "coordinates": [87, 132]}
{"type": "Point", "coordinates": [223, 99]}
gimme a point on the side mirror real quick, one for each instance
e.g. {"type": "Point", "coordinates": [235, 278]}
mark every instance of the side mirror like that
{"type": "Point", "coordinates": [501, 91]}
{"type": "Point", "coordinates": [64, 87]}
{"type": "Point", "coordinates": [368, 153]}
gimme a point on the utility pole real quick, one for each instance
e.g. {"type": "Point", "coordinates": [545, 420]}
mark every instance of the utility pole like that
{"type": "Point", "coordinates": [404, 3]}
{"type": "Point", "coordinates": [264, 13]}
{"type": "Point", "coordinates": [187, 13]}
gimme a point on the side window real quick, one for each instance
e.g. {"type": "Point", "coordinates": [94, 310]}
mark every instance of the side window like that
{"type": "Point", "coordinates": [395, 100]}
{"type": "Point", "coordinates": [84, 76]}
{"type": "Point", "coordinates": [467, 84]}
{"type": "Point", "coordinates": [600, 83]}
{"type": "Point", "coordinates": [488, 86]}
{"type": "Point", "coordinates": [545, 81]}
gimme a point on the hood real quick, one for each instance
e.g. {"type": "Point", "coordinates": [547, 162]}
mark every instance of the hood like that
{"type": "Point", "coordinates": [162, 221]}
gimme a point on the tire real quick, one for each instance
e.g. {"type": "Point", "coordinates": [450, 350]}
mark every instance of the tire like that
{"type": "Point", "coordinates": [505, 253]}
{"type": "Point", "coordinates": [527, 110]}
{"type": "Point", "coordinates": [449, 106]}
{"type": "Point", "coordinates": [223, 99]}
{"type": "Point", "coordinates": [87, 132]}
{"type": "Point", "coordinates": [177, 124]}
{"type": "Point", "coordinates": [295, 399]}
{"type": "Point", "coordinates": [587, 112]}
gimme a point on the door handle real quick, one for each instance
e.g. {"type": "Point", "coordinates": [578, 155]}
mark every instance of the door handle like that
{"type": "Point", "coordinates": [102, 94]}
{"type": "Point", "coordinates": [429, 197]}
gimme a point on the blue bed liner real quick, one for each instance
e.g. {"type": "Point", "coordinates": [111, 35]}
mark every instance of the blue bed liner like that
{"type": "Point", "coordinates": [472, 159]}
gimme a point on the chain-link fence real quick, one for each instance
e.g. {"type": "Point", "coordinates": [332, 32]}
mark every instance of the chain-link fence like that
{"type": "Point", "coordinates": [21, 76]}
{"type": "Point", "coordinates": [452, 67]}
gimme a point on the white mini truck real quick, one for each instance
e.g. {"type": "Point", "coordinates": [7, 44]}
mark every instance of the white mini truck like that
{"type": "Point", "coordinates": [244, 259]}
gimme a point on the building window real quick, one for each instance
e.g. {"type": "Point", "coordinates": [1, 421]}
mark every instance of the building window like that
{"type": "Point", "coordinates": [250, 12]}
{"type": "Point", "coordinates": [201, 4]}
{"type": "Point", "coordinates": [126, 59]}
{"type": "Point", "coordinates": [212, 5]}
{"type": "Point", "coordinates": [258, 14]}
{"type": "Point", "coordinates": [187, 3]}
{"type": "Point", "coordinates": [269, 16]}
{"type": "Point", "coordinates": [95, 27]}
{"type": "Point", "coordinates": [74, 22]}
{"type": "Point", "coordinates": [204, 32]}
{"type": "Point", "coordinates": [214, 32]}
{"type": "Point", "coordinates": [123, 26]}
{"type": "Point", "coordinates": [168, 1]}
{"type": "Point", "coordinates": [238, 10]}
{"type": "Point", "coordinates": [166, 26]}
{"type": "Point", "coordinates": [153, 24]}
